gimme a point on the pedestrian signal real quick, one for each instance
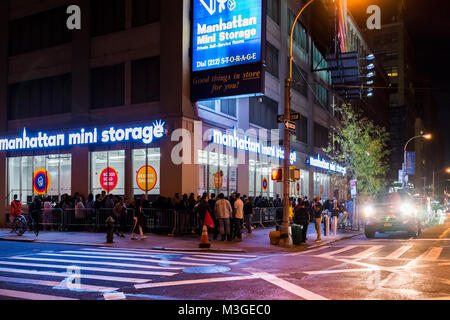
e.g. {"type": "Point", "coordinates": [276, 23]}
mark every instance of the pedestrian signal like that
{"type": "Point", "coordinates": [294, 174]}
{"type": "Point", "coordinates": [277, 174]}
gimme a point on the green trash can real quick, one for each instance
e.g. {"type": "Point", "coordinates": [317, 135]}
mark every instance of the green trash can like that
{"type": "Point", "coordinates": [297, 231]}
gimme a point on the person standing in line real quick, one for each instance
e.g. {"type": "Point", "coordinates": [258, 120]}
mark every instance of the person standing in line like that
{"type": "Point", "coordinates": [301, 217]}
{"type": "Point", "coordinates": [139, 217]}
{"type": "Point", "coordinates": [224, 212]}
{"type": "Point", "coordinates": [14, 211]}
{"type": "Point", "coordinates": [248, 214]}
{"type": "Point", "coordinates": [318, 209]}
{"type": "Point", "coordinates": [212, 205]}
{"type": "Point", "coordinates": [119, 212]}
{"type": "Point", "coordinates": [238, 217]}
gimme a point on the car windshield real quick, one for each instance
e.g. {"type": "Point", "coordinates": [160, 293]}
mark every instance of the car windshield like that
{"type": "Point", "coordinates": [392, 197]}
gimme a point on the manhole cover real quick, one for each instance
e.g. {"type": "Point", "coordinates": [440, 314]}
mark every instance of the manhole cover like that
{"type": "Point", "coordinates": [207, 269]}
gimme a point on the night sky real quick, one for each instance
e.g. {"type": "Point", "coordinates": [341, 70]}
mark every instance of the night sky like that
{"type": "Point", "coordinates": [428, 24]}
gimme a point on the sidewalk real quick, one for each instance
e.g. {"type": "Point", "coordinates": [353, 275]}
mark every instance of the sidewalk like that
{"type": "Point", "coordinates": [257, 241]}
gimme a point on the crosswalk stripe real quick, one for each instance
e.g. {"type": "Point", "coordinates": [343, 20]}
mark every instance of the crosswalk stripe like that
{"type": "Point", "coordinates": [127, 259]}
{"type": "Point", "coordinates": [116, 264]}
{"type": "Point", "coordinates": [67, 275]}
{"type": "Point", "coordinates": [206, 260]}
{"type": "Point", "coordinates": [215, 257]}
{"type": "Point", "coordinates": [110, 255]}
{"type": "Point", "coordinates": [398, 253]}
{"type": "Point", "coordinates": [307, 251]}
{"type": "Point", "coordinates": [368, 252]}
{"type": "Point", "coordinates": [83, 287]}
{"type": "Point", "coordinates": [431, 254]}
{"type": "Point", "coordinates": [326, 254]}
{"type": "Point", "coordinates": [239, 255]}
{"type": "Point", "coordinates": [108, 270]}
{"type": "Point", "coordinates": [30, 295]}
{"type": "Point", "coordinates": [197, 281]}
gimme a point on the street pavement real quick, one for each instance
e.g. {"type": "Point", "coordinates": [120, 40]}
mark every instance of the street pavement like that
{"type": "Point", "coordinates": [391, 266]}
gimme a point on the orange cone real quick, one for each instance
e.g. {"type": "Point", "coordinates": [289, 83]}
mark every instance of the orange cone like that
{"type": "Point", "coordinates": [204, 240]}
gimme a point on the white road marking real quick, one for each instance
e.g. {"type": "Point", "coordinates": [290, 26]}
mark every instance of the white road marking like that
{"type": "Point", "coordinates": [30, 295]}
{"type": "Point", "coordinates": [398, 253]}
{"type": "Point", "coordinates": [367, 253]}
{"type": "Point", "coordinates": [205, 260]}
{"type": "Point", "coordinates": [83, 287]}
{"type": "Point", "coordinates": [307, 251]}
{"type": "Point", "coordinates": [292, 288]}
{"type": "Point", "coordinates": [128, 259]}
{"type": "Point", "coordinates": [65, 275]}
{"type": "Point", "coordinates": [431, 254]}
{"type": "Point", "coordinates": [197, 281]}
{"type": "Point", "coordinates": [338, 271]}
{"type": "Point", "coordinates": [107, 270]}
{"type": "Point", "coordinates": [445, 234]}
{"type": "Point", "coordinates": [164, 252]}
{"type": "Point", "coordinates": [116, 264]}
{"type": "Point", "coordinates": [216, 257]}
{"type": "Point", "coordinates": [347, 248]}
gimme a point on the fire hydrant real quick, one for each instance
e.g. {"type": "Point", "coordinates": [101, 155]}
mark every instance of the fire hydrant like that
{"type": "Point", "coordinates": [110, 230]}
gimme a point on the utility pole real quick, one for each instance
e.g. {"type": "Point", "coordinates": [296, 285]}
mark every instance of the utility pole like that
{"type": "Point", "coordinates": [284, 230]}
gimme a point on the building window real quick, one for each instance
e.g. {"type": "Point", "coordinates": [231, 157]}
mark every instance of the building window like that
{"type": "Point", "coordinates": [263, 112]}
{"type": "Point", "coordinates": [145, 12]}
{"type": "Point", "coordinates": [320, 95]}
{"type": "Point", "coordinates": [299, 36]}
{"type": "Point", "coordinates": [228, 106]}
{"type": "Point", "coordinates": [299, 78]}
{"type": "Point", "coordinates": [271, 59]}
{"type": "Point", "coordinates": [57, 169]}
{"type": "Point", "coordinates": [146, 169]}
{"type": "Point", "coordinates": [145, 83]}
{"type": "Point", "coordinates": [39, 31]}
{"type": "Point", "coordinates": [108, 86]}
{"type": "Point", "coordinates": [107, 16]}
{"type": "Point", "coordinates": [321, 185]}
{"type": "Point", "coordinates": [108, 172]}
{"type": "Point", "coordinates": [302, 130]}
{"type": "Point", "coordinates": [320, 136]}
{"type": "Point", "coordinates": [41, 97]}
{"type": "Point", "coordinates": [392, 71]}
{"type": "Point", "coordinates": [209, 104]}
{"type": "Point", "coordinates": [273, 10]}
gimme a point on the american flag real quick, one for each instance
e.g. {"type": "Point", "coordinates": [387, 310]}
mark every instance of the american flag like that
{"type": "Point", "coordinates": [342, 17]}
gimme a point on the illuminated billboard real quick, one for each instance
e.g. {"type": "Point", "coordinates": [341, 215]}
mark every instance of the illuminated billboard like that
{"type": "Point", "coordinates": [228, 39]}
{"type": "Point", "coordinates": [226, 33]}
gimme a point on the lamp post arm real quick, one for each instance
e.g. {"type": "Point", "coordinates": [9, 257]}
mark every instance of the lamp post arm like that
{"type": "Point", "coordinates": [404, 149]}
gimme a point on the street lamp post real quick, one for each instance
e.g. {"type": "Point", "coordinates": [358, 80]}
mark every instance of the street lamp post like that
{"type": "Point", "coordinates": [284, 230]}
{"type": "Point", "coordinates": [425, 136]}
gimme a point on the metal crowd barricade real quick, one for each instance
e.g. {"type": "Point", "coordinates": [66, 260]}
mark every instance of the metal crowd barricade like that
{"type": "Point", "coordinates": [52, 219]}
{"type": "Point", "coordinates": [79, 219]}
{"type": "Point", "coordinates": [159, 220]}
{"type": "Point", "coordinates": [257, 218]}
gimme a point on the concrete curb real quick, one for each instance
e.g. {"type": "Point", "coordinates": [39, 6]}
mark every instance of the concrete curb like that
{"type": "Point", "coordinates": [17, 240]}
{"type": "Point", "coordinates": [335, 240]}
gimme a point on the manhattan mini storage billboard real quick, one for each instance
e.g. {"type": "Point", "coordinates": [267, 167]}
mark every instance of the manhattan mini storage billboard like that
{"type": "Point", "coordinates": [227, 48]}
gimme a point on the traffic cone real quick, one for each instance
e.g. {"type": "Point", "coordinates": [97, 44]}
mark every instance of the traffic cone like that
{"type": "Point", "coordinates": [204, 240]}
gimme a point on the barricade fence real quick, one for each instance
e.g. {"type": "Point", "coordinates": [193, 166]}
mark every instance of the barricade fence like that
{"type": "Point", "coordinates": [156, 220]}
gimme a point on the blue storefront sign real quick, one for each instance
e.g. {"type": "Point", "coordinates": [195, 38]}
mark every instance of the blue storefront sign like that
{"type": "Point", "coordinates": [227, 48]}
{"type": "Point", "coordinates": [410, 163]}
{"type": "Point", "coordinates": [226, 33]}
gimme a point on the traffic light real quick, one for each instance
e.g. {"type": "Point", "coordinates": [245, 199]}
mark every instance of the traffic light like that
{"type": "Point", "coordinates": [294, 174]}
{"type": "Point", "coordinates": [277, 174]}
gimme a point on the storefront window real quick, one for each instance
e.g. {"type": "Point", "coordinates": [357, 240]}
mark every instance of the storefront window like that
{"type": "Point", "coordinates": [260, 183]}
{"type": "Point", "coordinates": [46, 175]}
{"type": "Point", "coordinates": [300, 188]}
{"type": "Point", "coordinates": [108, 172]}
{"type": "Point", "coordinates": [217, 173]}
{"type": "Point", "coordinates": [322, 185]}
{"type": "Point", "coordinates": [146, 169]}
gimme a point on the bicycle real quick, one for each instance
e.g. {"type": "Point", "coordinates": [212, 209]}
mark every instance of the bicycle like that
{"type": "Point", "coordinates": [21, 224]}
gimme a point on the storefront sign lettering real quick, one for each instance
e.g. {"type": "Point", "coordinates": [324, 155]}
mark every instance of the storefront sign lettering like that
{"type": "Point", "coordinates": [109, 179]}
{"type": "Point", "coordinates": [322, 163]}
{"type": "Point", "coordinates": [146, 178]}
{"type": "Point", "coordinates": [245, 143]}
{"type": "Point", "coordinates": [144, 134]}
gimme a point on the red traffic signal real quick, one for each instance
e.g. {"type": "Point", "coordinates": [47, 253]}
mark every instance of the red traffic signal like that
{"type": "Point", "coordinates": [277, 174]}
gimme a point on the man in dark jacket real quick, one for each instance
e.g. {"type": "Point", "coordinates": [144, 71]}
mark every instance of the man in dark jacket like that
{"type": "Point", "coordinates": [248, 214]}
{"type": "Point", "coordinates": [35, 211]}
{"type": "Point", "coordinates": [212, 205]}
{"type": "Point", "coordinates": [318, 210]}
{"type": "Point", "coordinates": [301, 217]}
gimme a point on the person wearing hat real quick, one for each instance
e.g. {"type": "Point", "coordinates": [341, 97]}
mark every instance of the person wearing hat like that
{"type": "Point", "coordinates": [318, 209]}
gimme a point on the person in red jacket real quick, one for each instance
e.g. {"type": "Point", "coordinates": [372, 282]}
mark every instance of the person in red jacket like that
{"type": "Point", "coordinates": [15, 210]}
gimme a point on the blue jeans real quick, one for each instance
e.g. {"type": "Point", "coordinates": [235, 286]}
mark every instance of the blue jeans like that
{"type": "Point", "coordinates": [225, 227]}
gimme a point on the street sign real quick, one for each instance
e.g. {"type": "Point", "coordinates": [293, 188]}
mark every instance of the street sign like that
{"type": "Point", "coordinates": [353, 190]}
{"type": "Point", "coordinates": [280, 118]}
{"type": "Point", "coordinates": [295, 116]}
{"type": "Point", "coordinates": [410, 163]}
{"type": "Point", "coordinates": [289, 125]}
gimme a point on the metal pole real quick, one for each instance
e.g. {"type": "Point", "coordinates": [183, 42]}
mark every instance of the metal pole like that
{"type": "Point", "coordinates": [433, 186]}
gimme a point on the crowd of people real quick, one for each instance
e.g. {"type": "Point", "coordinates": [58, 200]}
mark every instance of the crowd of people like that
{"type": "Point", "coordinates": [230, 215]}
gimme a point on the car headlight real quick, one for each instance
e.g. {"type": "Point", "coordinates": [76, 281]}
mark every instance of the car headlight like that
{"type": "Point", "coordinates": [368, 211]}
{"type": "Point", "coordinates": [407, 209]}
